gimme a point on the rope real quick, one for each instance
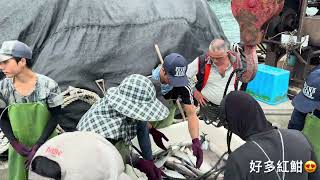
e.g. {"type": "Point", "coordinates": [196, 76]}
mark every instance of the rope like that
{"type": "Point", "coordinates": [73, 94]}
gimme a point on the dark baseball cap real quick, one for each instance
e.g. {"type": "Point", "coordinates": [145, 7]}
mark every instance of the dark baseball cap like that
{"type": "Point", "coordinates": [10, 49]}
{"type": "Point", "coordinates": [175, 65]}
{"type": "Point", "coordinates": [308, 99]}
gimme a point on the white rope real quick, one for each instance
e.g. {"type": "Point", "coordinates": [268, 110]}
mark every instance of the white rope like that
{"type": "Point", "coordinates": [4, 140]}
{"type": "Point", "coordinates": [74, 94]}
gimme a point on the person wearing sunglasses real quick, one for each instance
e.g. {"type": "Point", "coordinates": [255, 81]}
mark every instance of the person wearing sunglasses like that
{"type": "Point", "coordinates": [269, 152]}
{"type": "Point", "coordinates": [212, 71]}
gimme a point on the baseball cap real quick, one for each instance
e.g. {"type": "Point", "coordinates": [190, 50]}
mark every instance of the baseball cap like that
{"type": "Point", "coordinates": [10, 49]}
{"type": "Point", "coordinates": [175, 65]}
{"type": "Point", "coordinates": [309, 98]}
{"type": "Point", "coordinates": [81, 156]}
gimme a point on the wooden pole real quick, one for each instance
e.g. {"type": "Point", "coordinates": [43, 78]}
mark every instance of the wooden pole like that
{"type": "Point", "coordinates": [178, 100]}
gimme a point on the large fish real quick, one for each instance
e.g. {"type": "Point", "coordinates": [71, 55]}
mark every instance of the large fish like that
{"type": "Point", "coordinates": [195, 170]}
{"type": "Point", "coordinates": [183, 157]}
{"type": "Point", "coordinates": [160, 162]}
{"type": "Point", "coordinates": [253, 17]}
{"type": "Point", "coordinates": [205, 167]}
{"type": "Point", "coordinates": [180, 168]}
{"type": "Point", "coordinates": [173, 174]}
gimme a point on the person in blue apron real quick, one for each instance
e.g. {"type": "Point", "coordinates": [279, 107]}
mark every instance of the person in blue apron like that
{"type": "Point", "coordinates": [122, 114]}
{"type": "Point", "coordinates": [175, 85]}
{"type": "Point", "coordinates": [268, 152]}
{"type": "Point", "coordinates": [30, 105]}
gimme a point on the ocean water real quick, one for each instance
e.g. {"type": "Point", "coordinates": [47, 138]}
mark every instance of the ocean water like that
{"type": "Point", "coordinates": [222, 9]}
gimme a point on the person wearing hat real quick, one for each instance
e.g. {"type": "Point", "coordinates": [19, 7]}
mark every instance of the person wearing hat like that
{"type": "Point", "coordinates": [306, 113]}
{"type": "Point", "coordinates": [30, 105]}
{"type": "Point", "coordinates": [268, 152]}
{"type": "Point", "coordinates": [57, 159]}
{"type": "Point", "coordinates": [307, 102]}
{"type": "Point", "coordinates": [122, 114]}
{"type": "Point", "coordinates": [175, 85]}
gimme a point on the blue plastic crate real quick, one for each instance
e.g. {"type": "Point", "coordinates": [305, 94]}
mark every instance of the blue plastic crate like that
{"type": "Point", "coordinates": [270, 85]}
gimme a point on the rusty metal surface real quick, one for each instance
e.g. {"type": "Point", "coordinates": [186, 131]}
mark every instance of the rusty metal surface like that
{"type": "Point", "coordinates": [311, 27]}
{"type": "Point", "coordinates": [304, 5]}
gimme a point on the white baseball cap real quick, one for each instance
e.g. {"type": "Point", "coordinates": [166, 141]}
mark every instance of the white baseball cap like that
{"type": "Point", "coordinates": [10, 49]}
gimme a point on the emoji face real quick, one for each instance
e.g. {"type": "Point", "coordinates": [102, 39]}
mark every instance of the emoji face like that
{"type": "Point", "coordinates": [310, 166]}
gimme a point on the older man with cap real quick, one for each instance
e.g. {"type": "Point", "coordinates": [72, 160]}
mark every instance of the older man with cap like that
{"type": "Point", "coordinates": [94, 158]}
{"type": "Point", "coordinates": [30, 104]}
{"type": "Point", "coordinates": [175, 85]}
{"type": "Point", "coordinates": [122, 114]}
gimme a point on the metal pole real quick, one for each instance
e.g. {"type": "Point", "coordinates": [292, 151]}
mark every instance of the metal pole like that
{"type": "Point", "coordinates": [303, 7]}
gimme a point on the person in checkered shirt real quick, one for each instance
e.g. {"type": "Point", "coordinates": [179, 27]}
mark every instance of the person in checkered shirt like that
{"type": "Point", "coordinates": [123, 114]}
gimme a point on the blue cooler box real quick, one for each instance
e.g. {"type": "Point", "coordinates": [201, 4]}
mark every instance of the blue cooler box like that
{"type": "Point", "coordinates": [270, 85]}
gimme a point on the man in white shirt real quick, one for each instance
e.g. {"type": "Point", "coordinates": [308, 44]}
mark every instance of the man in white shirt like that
{"type": "Point", "coordinates": [213, 70]}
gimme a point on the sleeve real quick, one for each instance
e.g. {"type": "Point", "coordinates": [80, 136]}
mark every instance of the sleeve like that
{"type": "Point", "coordinates": [55, 97]}
{"type": "Point", "coordinates": [51, 124]}
{"type": "Point", "coordinates": [3, 103]}
{"type": "Point", "coordinates": [186, 95]}
{"type": "Point", "coordinates": [144, 140]}
{"type": "Point", "coordinates": [192, 68]}
{"type": "Point", "coordinates": [232, 170]}
{"type": "Point", "coordinates": [6, 126]}
{"type": "Point", "coordinates": [297, 120]}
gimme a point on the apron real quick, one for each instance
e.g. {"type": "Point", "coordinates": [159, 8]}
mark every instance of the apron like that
{"type": "Point", "coordinates": [28, 121]}
{"type": "Point", "coordinates": [168, 121]}
{"type": "Point", "coordinates": [124, 150]}
{"type": "Point", "coordinates": [312, 131]}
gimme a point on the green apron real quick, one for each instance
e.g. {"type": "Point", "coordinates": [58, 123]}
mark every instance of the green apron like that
{"type": "Point", "coordinates": [124, 150]}
{"type": "Point", "coordinates": [168, 121]}
{"type": "Point", "coordinates": [312, 132]}
{"type": "Point", "coordinates": [28, 121]}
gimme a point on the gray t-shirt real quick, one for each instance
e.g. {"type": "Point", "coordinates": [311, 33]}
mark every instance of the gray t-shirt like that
{"type": "Point", "coordinates": [46, 91]}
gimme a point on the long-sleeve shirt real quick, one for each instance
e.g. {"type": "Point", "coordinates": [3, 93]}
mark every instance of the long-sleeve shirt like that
{"type": "Point", "coordinates": [249, 162]}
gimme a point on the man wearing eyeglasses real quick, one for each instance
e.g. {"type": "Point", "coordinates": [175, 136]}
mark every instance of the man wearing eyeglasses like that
{"type": "Point", "coordinates": [212, 70]}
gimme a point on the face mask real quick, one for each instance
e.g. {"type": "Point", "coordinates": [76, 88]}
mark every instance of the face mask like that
{"type": "Point", "coordinates": [165, 88]}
